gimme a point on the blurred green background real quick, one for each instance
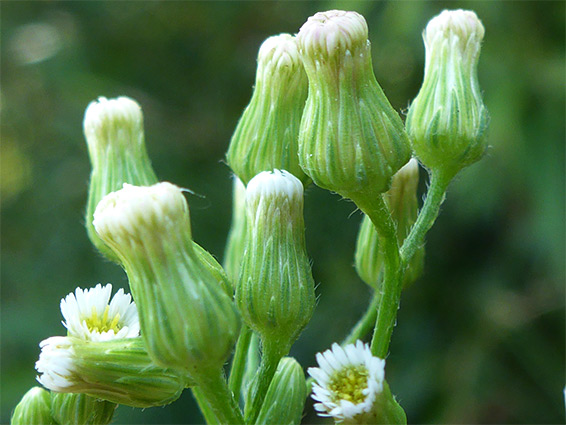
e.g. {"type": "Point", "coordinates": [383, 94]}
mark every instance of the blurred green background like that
{"type": "Point", "coordinates": [480, 337]}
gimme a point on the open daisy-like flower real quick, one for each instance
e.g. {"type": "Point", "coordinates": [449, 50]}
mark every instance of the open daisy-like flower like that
{"type": "Point", "coordinates": [347, 381]}
{"type": "Point", "coordinates": [91, 315]}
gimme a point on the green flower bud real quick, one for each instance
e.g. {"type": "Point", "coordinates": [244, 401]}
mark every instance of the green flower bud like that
{"type": "Point", "coordinates": [119, 371]}
{"type": "Point", "coordinates": [275, 290]}
{"type": "Point", "coordinates": [266, 135]}
{"type": "Point", "coordinates": [80, 409]}
{"type": "Point", "coordinates": [285, 398]}
{"type": "Point", "coordinates": [186, 317]}
{"type": "Point", "coordinates": [447, 121]}
{"type": "Point", "coordinates": [403, 205]}
{"type": "Point", "coordinates": [114, 134]}
{"type": "Point", "coordinates": [351, 139]}
{"type": "Point", "coordinates": [33, 408]}
{"type": "Point", "coordinates": [237, 237]}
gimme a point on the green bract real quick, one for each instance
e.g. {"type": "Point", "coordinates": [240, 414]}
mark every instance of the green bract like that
{"type": "Point", "coordinates": [186, 316]}
{"type": "Point", "coordinates": [351, 140]}
{"type": "Point", "coordinates": [266, 135]}
{"type": "Point", "coordinates": [447, 121]}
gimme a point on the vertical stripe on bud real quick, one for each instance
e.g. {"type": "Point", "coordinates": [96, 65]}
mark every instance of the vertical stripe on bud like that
{"type": "Point", "coordinates": [115, 138]}
{"type": "Point", "coordinates": [275, 290]}
{"type": "Point", "coordinates": [187, 316]}
{"type": "Point", "coordinates": [266, 135]}
{"type": "Point", "coordinates": [80, 409]}
{"type": "Point", "coordinates": [351, 139]}
{"type": "Point", "coordinates": [285, 398]}
{"type": "Point", "coordinates": [447, 121]}
{"type": "Point", "coordinates": [33, 408]}
{"type": "Point", "coordinates": [401, 199]}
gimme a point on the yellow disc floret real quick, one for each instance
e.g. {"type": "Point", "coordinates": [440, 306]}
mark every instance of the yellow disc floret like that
{"type": "Point", "coordinates": [100, 324]}
{"type": "Point", "coordinates": [349, 384]}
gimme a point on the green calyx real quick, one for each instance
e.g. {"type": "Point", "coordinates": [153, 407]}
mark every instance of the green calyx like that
{"type": "Point", "coordinates": [447, 121]}
{"type": "Point", "coordinates": [351, 139]}
{"type": "Point", "coordinates": [266, 135]}
{"type": "Point", "coordinates": [187, 316]}
{"type": "Point", "coordinates": [33, 408]}
{"type": "Point", "coordinates": [275, 289]}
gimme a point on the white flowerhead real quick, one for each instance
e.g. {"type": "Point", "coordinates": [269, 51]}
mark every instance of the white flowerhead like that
{"type": "Point", "coordinates": [277, 184]}
{"type": "Point", "coordinates": [106, 120]}
{"type": "Point", "coordinates": [132, 210]}
{"type": "Point", "coordinates": [56, 363]}
{"type": "Point", "coordinates": [279, 51]}
{"type": "Point", "coordinates": [90, 314]}
{"type": "Point", "coordinates": [332, 32]}
{"type": "Point", "coordinates": [347, 381]}
{"type": "Point", "coordinates": [461, 26]}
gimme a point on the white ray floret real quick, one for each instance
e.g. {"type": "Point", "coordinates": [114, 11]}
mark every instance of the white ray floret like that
{"type": "Point", "coordinates": [90, 314]}
{"type": "Point", "coordinates": [347, 382]}
{"type": "Point", "coordinates": [55, 363]}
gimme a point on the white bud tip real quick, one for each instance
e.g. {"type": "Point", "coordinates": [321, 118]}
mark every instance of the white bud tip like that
{"type": "Point", "coordinates": [334, 30]}
{"type": "Point", "coordinates": [123, 212]}
{"type": "Point", "coordinates": [276, 183]}
{"type": "Point", "coordinates": [280, 51]}
{"type": "Point", "coordinates": [104, 112]}
{"type": "Point", "coordinates": [463, 24]}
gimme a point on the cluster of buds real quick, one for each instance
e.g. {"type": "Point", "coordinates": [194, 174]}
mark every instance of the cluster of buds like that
{"type": "Point", "coordinates": [317, 113]}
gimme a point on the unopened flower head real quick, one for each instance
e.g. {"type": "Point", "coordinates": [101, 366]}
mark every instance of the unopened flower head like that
{"type": "Point", "coordinates": [133, 210]}
{"type": "Point", "coordinates": [332, 33]}
{"type": "Point", "coordinates": [34, 408]}
{"type": "Point", "coordinates": [81, 409]}
{"type": "Point", "coordinates": [275, 290]}
{"type": "Point", "coordinates": [351, 140]}
{"type": "Point", "coordinates": [114, 134]}
{"type": "Point", "coordinates": [91, 315]}
{"type": "Point", "coordinates": [348, 381]}
{"type": "Point", "coordinates": [447, 121]}
{"type": "Point", "coordinates": [184, 301]}
{"type": "Point", "coordinates": [119, 371]}
{"type": "Point", "coordinates": [266, 135]}
{"type": "Point", "coordinates": [402, 202]}
{"type": "Point", "coordinates": [236, 243]}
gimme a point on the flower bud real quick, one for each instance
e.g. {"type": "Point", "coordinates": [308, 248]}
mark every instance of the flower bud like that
{"type": "Point", "coordinates": [80, 409]}
{"type": "Point", "coordinates": [186, 316]}
{"type": "Point", "coordinates": [237, 237]}
{"type": "Point", "coordinates": [266, 135]}
{"type": "Point", "coordinates": [447, 121]}
{"type": "Point", "coordinates": [286, 395]}
{"type": "Point", "coordinates": [114, 134]}
{"type": "Point", "coordinates": [402, 202]}
{"type": "Point", "coordinates": [33, 408]}
{"type": "Point", "coordinates": [351, 139]}
{"type": "Point", "coordinates": [275, 290]}
{"type": "Point", "coordinates": [119, 371]}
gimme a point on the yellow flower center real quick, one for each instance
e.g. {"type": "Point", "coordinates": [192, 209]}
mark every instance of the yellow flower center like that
{"type": "Point", "coordinates": [100, 324]}
{"type": "Point", "coordinates": [349, 383]}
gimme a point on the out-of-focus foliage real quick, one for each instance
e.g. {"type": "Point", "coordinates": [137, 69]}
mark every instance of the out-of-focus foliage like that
{"type": "Point", "coordinates": [480, 337]}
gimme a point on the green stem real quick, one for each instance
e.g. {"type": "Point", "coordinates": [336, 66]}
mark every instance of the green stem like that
{"type": "Point", "coordinates": [366, 322]}
{"type": "Point", "coordinates": [205, 409]}
{"type": "Point", "coordinates": [215, 391]}
{"type": "Point", "coordinates": [429, 212]}
{"type": "Point", "coordinates": [376, 209]}
{"type": "Point", "coordinates": [272, 352]}
{"type": "Point", "coordinates": [239, 362]}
